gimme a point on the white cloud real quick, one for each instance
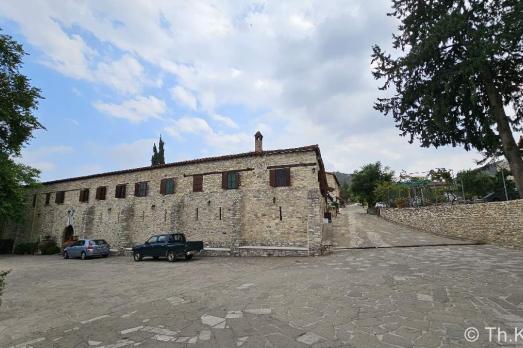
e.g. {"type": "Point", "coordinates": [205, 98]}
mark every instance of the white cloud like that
{"type": "Point", "coordinates": [135, 110]}
{"type": "Point", "coordinates": [126, 75]}
{"type": "Point", "coordinates": [184, 97]}
{"type": "Point", "coordinates": [219, 142]}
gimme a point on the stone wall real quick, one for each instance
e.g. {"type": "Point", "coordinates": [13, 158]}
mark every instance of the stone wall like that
{"type": "Point", "coordinates": [497, 222]}
{"type": "Point", "coordinates": [250, 215]}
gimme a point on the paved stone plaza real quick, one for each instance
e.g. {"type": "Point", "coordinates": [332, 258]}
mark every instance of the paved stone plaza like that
{"type": "Point", "coordinates": [393, 297]}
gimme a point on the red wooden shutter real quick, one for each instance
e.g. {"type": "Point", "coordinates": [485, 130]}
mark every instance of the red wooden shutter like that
{"type": "Point", "coordinates": [136, 189]}
{"type": "Point", "coordinates": [224, 180]}
{"type": "Point", "coordinates": [238, 179]}
{"type": "Point", "coordinates": [162, 186]}
{"type": "Point", "coordinates": [272, 177]}
{"type": "Point", "coordinates": [288, 176]}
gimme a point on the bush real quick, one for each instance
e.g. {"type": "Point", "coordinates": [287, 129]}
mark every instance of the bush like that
{"type": "Point", "coordinates": [25, 248]}
{"type": "Point", "coordinates": [3, 274]}
{"type": "Point", "coordinates": [48, 247]}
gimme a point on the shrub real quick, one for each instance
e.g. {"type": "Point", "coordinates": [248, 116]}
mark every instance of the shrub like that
{"type": "Point", "coordinates": [25, 248]}
{"type": "Point", "coordinates": [48, 247]}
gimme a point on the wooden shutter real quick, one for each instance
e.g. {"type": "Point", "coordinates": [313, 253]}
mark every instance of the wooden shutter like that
{"type": "Point", "coordinates": [225, 180]}
{"type": "Point", "coordinates": [197, 183]}
{"type": "Point", "coordinates": [288, 176]}
{"type": "Point", "coordinates": [272, 177]}
{"type": "Point", "coordinates": [137, 189]}
{"type": "Point", "coordinates": [237, 179]}
{"type": "Point", "coordinates": [163, 183]}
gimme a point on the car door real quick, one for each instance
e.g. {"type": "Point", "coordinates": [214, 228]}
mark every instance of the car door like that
{"type": "Point", "coordinates": [76, 249]}
{"type": "Point", "coordinates": [150, 244]}
{"type": "Point", "coordinates": [161, 245]}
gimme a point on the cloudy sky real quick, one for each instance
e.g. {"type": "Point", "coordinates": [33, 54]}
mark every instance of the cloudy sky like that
{"type": "Point", "coordinates": [206, 76]}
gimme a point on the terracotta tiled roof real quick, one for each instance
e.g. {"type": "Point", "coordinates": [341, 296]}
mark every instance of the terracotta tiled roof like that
{"type": "Point", "coordinates": [196, 161]}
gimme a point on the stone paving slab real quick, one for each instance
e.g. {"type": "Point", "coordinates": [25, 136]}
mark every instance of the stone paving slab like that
{"type": "Point", "coordinates": [397, 297]}
{"type": "Point", "coordinates": [354, 228]}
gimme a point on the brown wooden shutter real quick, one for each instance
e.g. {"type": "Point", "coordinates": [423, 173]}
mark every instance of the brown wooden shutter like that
{"type": "Point", "coordinates": [238, 179]}
{"type": "Point", "coordinates": [198, 183]}
{"type": "Point", "coordinates": [272, 177]}
{"type": "Point", "coordinates": [163, 183]}
{"type": "Point", "coordinates": [288, 176]}
{"type": "Point", "coordinates": [224, 180]}
{"type": "Point", "coordinates": [136, 189]}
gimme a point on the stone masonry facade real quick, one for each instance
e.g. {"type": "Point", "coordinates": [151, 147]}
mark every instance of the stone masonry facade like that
{"type": "Point", "coordinates": [253, 219]}
{"type": "Point", "coordinates": [496, 222]}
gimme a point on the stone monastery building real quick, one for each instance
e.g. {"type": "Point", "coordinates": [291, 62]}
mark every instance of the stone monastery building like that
{"type": "Point", "coordinates": [256, 203]}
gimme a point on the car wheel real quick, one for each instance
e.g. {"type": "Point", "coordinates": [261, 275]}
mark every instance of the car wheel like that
{"type": "Point", "coordinates": [171, 256]}
{"type": "Point", "coordinates": [188, 257]}
{"type": "Point", "coordinates": [137, 257]}
{"type": "Point", "coordinates": [66, 255]}
{"type": "Point", "coordinates": [83, 256]}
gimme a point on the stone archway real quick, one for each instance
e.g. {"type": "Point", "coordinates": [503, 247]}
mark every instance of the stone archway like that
{"type": "Point", "coordinates": [68, 235]}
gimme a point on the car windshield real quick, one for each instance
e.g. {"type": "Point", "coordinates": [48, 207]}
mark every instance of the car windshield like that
{"type": "Point", "coordinates": [99, 242]}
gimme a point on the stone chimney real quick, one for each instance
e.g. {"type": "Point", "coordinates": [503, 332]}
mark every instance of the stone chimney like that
{"type": "Point", "coordinates": [258, 140]}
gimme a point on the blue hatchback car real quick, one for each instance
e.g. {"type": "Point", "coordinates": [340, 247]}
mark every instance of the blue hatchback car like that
{"type": "Point", "coordinates": [87, 248]}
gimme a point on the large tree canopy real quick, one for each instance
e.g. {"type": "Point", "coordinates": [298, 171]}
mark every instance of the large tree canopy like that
{"type": "Point", "coordinates": [456, 75]}
{"type": "Point", "coordinates": [365, 181]}
{"type": "Point", "coordinates": [18, 101]}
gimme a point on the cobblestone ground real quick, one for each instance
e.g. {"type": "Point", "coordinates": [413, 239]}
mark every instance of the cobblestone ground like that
{"type": "Point", "coordinates": [397, 297]}
{"type": "Point", "coordinates": [354, 228]}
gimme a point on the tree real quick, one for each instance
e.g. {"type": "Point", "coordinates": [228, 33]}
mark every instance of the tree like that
{"type": "Point", "coordinates": [18, 102]}
{"type": "Point", "coordinates": [365, 181]}
{"type": "Point", "coordinates": [475, 183]}
{"type": "Point", "coordinates": [154, 158]}
{"type": "Point", "coordinates": [457, 68]}
{"type": "Point", "coordinates": [158, 156]}
{"type": "Point", "coordinates": [161, 154]}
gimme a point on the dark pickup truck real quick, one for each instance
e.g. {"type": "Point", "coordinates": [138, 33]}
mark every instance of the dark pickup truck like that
{"type": "Point", "coordinates": [172, 246]}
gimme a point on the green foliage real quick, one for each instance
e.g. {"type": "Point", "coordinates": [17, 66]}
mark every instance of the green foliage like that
{"type": "Point", "coordinates": [13, 178]}
{"type": "Point", "coordinates": [365, 181]}
{"type": "Point", "coordinates": [48, 247]}
{"type": "Point", "coordinates": [18, 101]}
{"type": "Point", "coordinates": [158, 155]}
{"type": "Point", "coordinates": [3, 274]}
{"type": "Point", "coordinates": [475, 183]}
{"type": "Point", "coordinates": [389, 191]}
{"type": "Point", "coordinates": [456, 64]}
{"type": "Point", "coordinates": [26, 248]}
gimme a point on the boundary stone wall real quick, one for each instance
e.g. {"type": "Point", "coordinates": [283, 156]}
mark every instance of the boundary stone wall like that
{"type": "Point", "coordinates": [496, 222]}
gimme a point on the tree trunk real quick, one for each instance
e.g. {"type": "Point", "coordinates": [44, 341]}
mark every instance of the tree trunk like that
{"type": "Point", "coordinates": [510, 148]}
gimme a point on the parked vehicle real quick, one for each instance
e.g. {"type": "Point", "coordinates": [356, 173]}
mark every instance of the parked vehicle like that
{"type": "Point", "coordinates": [87, 248]}
{"type": "Point", "coordinates": [172, 246]}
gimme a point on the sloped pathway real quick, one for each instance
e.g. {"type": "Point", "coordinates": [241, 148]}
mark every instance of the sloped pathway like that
{"type": "Point", "coordinates": [354, 228]}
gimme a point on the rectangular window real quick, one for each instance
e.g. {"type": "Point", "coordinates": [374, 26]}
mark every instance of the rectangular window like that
{"type": "Point", "coordinates": [167, 186]}
{"type": "Point", "coordinates": [120, 191]}
{"type": "Point", "coordinates": [101, 192]}
{"type": "Point", "coordinates": [47, 198]}
{"type": "Point", "coordinates": [34, 200]}
{"type": "Point", "coordinates": [197, 183]}
{"type": "Point", "coordinates": [280, 177]}
{"type": "Point", "coordinates": [84, 195]}
{"type": "Point", "coordinates": [230, 180]}
{"type": "Point", "coordinates": [141, 189]}
{"type": "Point", "coordinates": [59, 197]}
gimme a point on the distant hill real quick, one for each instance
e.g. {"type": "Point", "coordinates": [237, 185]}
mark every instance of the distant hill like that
{"type": "Point", "coordinates": [343, 178]}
